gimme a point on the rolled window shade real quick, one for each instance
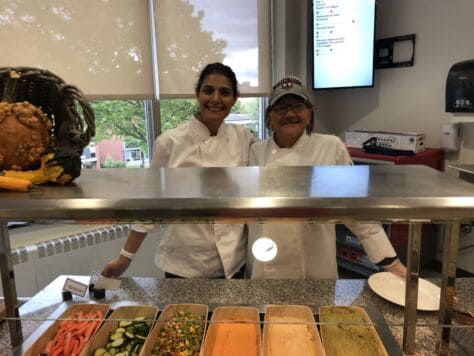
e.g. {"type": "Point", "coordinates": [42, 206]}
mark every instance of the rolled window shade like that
{"type": "Point", "coordinates": [101, 46]}
{"type": "Point", "coordinates": [193, 33]}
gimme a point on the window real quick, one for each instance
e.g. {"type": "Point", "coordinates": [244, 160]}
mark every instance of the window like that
{"type": "Point", "coordinates": [107, 50]}
{"type": "Point", "coordinates": [245, 112]}
{"type": "Point", "coordinates": [193, 33]}
{"type": "Point", "coordinates": [102, 47]}
{"type": "Point", "coordinates": [121, 134]}
{"type": "Point", "coordinates": [133, 155]}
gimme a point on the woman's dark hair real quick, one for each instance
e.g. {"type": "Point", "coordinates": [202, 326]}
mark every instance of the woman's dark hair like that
{"type": "Point", "coordinates": [309, 128]}
{"type": "Point", "coordinates": [218, 68]}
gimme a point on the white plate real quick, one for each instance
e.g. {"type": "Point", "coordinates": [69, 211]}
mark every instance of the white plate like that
{"type": "Point", "coordinates": [392, 287]}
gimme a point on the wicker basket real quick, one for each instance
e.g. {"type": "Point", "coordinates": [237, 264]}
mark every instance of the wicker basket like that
{"type": "Point", "coordinates": [72, 116]}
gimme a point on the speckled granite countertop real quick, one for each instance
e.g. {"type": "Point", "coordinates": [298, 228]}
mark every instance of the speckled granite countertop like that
{"type": "Point", "coordinates": [242, 292]}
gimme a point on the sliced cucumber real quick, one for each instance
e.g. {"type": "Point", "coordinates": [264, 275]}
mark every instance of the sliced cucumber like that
{"type": "Point", "coordinates": [136, 348]}
{"type": "Point", "coordinates": [142, 328]}
{"type": "Point", "coordinates": [129, 335]}
{"type": "Point", "coordinates": [140, 338]}
{"type": "Point", "coordinates": [125, 323]}
{"type": "Point", "coordinates": [127, 339]}
{"type": "Point", "coordinates": [115, 335]}
{"type": "Point", "coordinates": [118, 342]}
{"type": "Point", "coordinates": [100, 351]}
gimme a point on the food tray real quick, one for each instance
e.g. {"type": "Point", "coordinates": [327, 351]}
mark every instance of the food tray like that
{"type": "Point", "coordinates": [167, 314]}
{"type": "Point", "coordinates": [129, 313]}
{"type": "Point", "coordinates": [291, 330]}
{"type": "Point", "coordinates": [349, 331]}
{"type": "Point", "coordinates": [257, 312]}
{"type": "Point", "coordinates": [243, 318]}
{"type": "Point", "coordinates": [36, 343]}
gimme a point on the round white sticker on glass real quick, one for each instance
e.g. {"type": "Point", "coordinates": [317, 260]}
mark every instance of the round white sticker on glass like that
{"type": "Point", "coordinates": [264, 249]}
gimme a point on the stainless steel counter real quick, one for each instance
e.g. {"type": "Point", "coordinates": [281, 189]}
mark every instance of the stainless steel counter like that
{"type": "Point", "coordinates": [466, 171]}
{"type": "Point", "coordinates": [325, 193]}
{"type": "Point", "coordinates": [258, 293]}
{"type": "Point", "coordinates": [411, 194]}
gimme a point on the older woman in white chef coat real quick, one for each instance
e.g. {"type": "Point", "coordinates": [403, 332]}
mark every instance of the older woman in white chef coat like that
{"type": "Point", "coordinates": [303, 250]}
{"type": "Point", "coordinates": [198, 250]}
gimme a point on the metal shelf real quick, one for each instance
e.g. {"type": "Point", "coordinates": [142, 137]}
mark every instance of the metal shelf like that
{"type": "Point", "coordinates": [324, 193]}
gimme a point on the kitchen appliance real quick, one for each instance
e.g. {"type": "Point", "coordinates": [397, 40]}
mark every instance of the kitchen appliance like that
{"type": "Point", "coordinates": [460, 87]}
{"type": "Point", "coordinates": [409, 141]}
{"type": "Point", "coordinates": [351, 255]}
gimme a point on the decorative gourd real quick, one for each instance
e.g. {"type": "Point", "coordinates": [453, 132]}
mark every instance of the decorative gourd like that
{"type": "Point", "coordinates": [25, 134]}
{"type": "Point", "coordinates": [44, 126]}
{"type": "Point", "coordinates": [15, 184]}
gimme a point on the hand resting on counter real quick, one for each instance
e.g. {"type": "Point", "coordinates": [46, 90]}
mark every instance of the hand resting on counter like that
{"type": "Point", "coordinates": [396, 267]}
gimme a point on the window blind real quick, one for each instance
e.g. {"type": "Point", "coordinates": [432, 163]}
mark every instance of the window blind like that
{"type": "Point", "coordinates": [192, 33]}
{"type": "Point", "coordinates": [101, 46]}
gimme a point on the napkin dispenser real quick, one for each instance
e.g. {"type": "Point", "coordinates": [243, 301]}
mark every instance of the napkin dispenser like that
{"type": "Point", "coordinates": [460, 87]}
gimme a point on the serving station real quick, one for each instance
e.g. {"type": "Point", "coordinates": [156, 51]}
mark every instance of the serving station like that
{"type": "Point", "coordinates": [404, 194]}
{"type": "Point", "coordinates": [160, 292]}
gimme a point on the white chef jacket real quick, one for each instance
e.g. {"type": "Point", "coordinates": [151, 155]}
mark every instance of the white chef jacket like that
{"type": "Point", "coordinates": [306, 250]}
{"type": "Point", "coordinates": [201, 250]}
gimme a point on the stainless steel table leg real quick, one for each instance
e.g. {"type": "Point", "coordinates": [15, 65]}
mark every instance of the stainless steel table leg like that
{"type": "Point", "coordinates": [448, 280]}
{"type": "Point", "coordinates": [9, 287]}
{"type": "Point", "coordinates": [411, 294]}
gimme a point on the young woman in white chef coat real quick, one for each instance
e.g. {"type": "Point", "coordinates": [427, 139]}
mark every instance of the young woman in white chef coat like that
{"type": "Point", "coordinates": [198, 250]}
{"type": "Point", "coordinates": [304, 250]}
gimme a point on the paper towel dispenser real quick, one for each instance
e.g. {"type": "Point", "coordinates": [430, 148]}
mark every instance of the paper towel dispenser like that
{"type": "Point", "coordinates": [460, 87]}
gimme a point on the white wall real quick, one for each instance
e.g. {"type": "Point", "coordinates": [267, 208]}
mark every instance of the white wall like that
{"type": "Point", "coordinates": [39, 269]}
{"type": "Point", "coordinates": [403, 99]}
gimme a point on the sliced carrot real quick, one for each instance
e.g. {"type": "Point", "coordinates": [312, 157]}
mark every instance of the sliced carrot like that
{"type": "Point", "coordinates": [72, 335]}
{"type": "Point", "coordinates": [75, 346]}
{"type": "Point", "coordinates": [48, 347]}
{"type": "Point", "coordinates": [67, 343]}
{"type": "Point", "coordinates": [88, 332]}
{"type": "Point", "coordinates": [57, 351]}
{"type": "Point", "coordinates": [82, 339]}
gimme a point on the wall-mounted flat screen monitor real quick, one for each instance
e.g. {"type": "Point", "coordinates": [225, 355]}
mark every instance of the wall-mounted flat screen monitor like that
{"type": "Point", "coordinates": [343, 36]}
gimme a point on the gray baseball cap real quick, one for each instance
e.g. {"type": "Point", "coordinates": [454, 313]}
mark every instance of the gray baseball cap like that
{"type": "Point", "coordinates": [288, 86]}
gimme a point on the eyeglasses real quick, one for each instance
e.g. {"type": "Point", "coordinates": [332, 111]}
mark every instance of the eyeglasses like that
{"type": "Point", "coordinates": [295, 107]}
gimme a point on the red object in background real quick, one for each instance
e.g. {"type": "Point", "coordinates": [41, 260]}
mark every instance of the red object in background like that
{"type": "Point", "coordinates": [113, 149]}
{"type": "Point", "coordinates": [431, 157]}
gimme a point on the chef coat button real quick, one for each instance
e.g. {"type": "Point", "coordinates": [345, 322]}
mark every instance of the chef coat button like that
{"type": "Point", "coordinates": [274, 151]}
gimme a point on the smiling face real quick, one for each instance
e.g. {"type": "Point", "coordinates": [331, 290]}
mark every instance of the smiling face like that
{"type": "Point", "coordinates": [289, 118]}
{"type": "Point", "coordinates": [216, 98]}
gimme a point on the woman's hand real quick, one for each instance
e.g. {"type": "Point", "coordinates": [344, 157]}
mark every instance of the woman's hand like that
{"type": "Point", "coordinates": [116, 268]}
{"type": "Point", "coordinates": [396, 267]}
